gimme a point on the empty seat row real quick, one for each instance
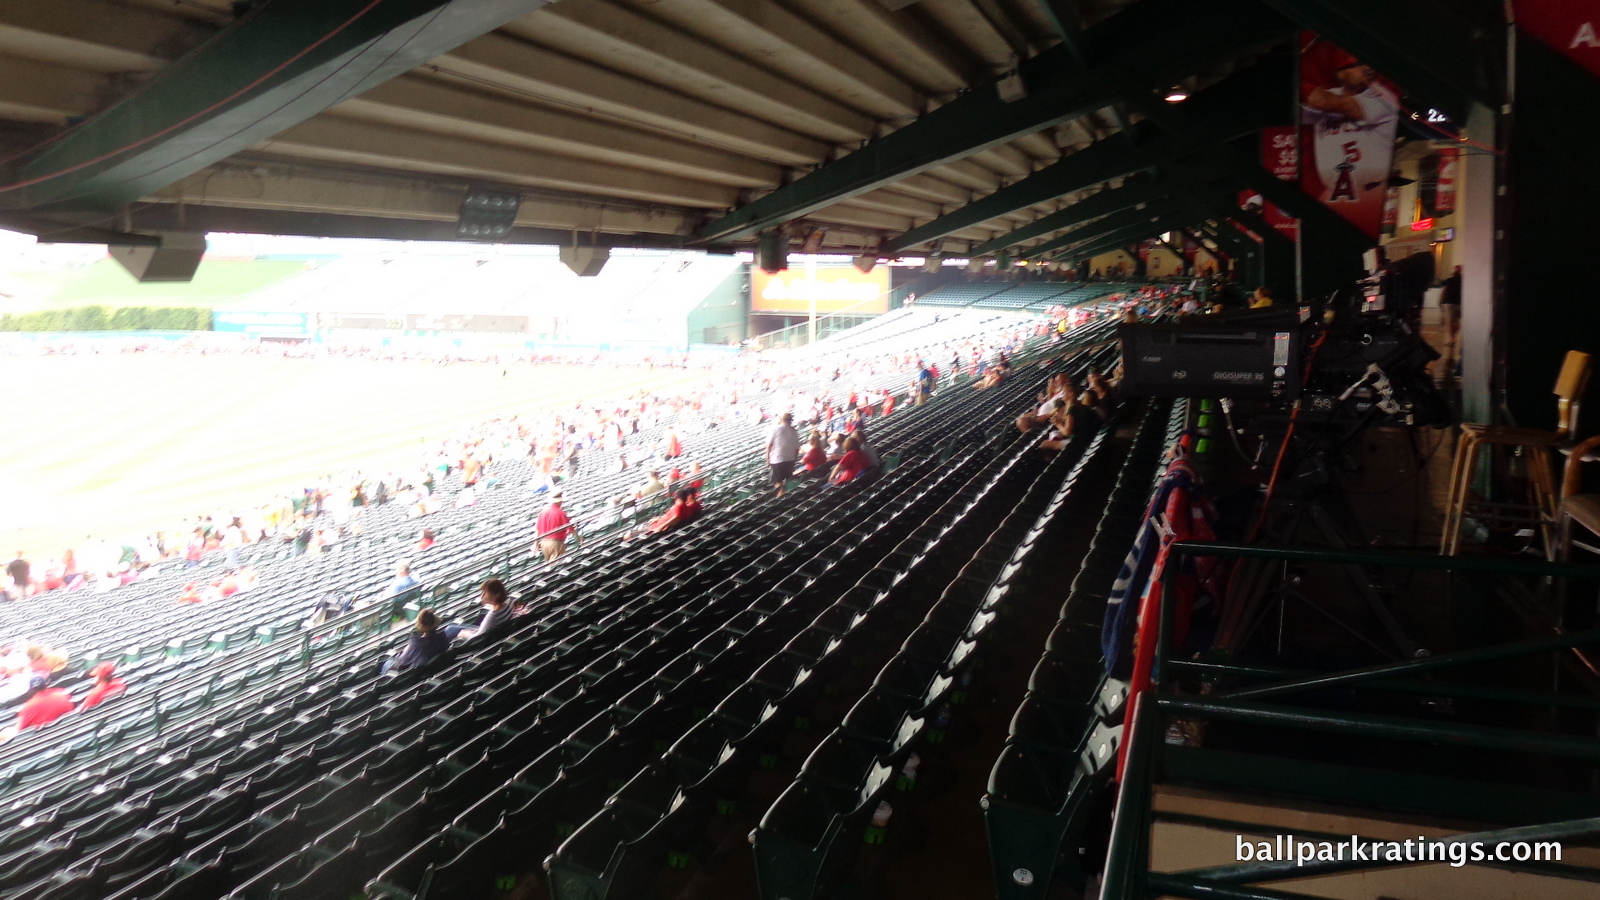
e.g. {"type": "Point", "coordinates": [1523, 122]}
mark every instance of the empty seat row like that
{"type": "Point", "coordinates": [1049, 780]}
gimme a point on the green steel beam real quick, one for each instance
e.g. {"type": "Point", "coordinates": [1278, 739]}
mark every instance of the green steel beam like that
{"type": "Point", "coordinates": [1351, 786]}
{"type": "Point", "coordinates": [281, 63]}
{"type": "Point", "coordinates": [1423, 688]}
{"type": "Point", "coordinates": [1165, 885]}
{"type": "Point", "coordinates": [56, 231]}
{"type": "Point", "coordinates": [1239, 104]}
{"type": "Point", "coordinates": [1197, 234]}
{"type": "Point", "coordinates": [1427, 50]}
{"type": "Point", "coordinates": [1104, 203]}
{"type": "Point", "coordinates": [1094, 164]}
{"type": "Point", "coordinates": [1426, 664]}
{"type": "Point", "coordinates": [1114, 223]}
{"type": "Point", "coordinates": [1229, 709]}
{"type": "Point", "coordinates": [1119, 240]}
{"type": "Point", "coordinates": [1487, 565]}
{"type": "Point", "coordinates": [1151, 42]}
{"type": "Point", "coordinates": [173, 217]}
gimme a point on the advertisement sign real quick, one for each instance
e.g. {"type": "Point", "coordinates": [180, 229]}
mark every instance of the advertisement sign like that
{"type": "Point", "coordinates": [1348, 116]}
{"type": "Point", "coordinates": [1570, 26]}
{"type": "Point", "coordinates": [836, 287]}
{"type": "Point", "coordinates": [1280, 155]}
{"type": "Point", "coordinates": [1280, 152]}
{"type": "Point", "coordinates": [268, 324]}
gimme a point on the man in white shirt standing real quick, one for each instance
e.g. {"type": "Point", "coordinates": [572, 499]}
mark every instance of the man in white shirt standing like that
{"type": "Point", "coordinates": [783, 450]}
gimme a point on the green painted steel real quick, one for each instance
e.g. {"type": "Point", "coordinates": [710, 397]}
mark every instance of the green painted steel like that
{"type": "Point", "coordinates": [1178, 886]}
{"type": "Point", "coordinates": [1118, 223]}
{"type": "Point", "coordinates": [1104, 203]}
{"type": "Point", "coordinates": [1237, 105]}
{"type": "Point", "coordinates": [199, 217]}
{"type": "Point", "coordinates": [1351, 786]}
{"type": "Point", "coordinates": [1534, 811]}
{"type": "Point", "coordinates": [278, 65]}
{"type": "Point", "coordinates": [1090, 166]}
{"type": "Point", "coordinates": [1133, 234]}
{"type": "Point", "coordinates": [1151, 42]}
{"type": "Point", "coordinates": [1487, 565]}
{"type": "Point", "coordinates": [1422, 688]}
{"type": "Point", "coordinates": [1227, 708]}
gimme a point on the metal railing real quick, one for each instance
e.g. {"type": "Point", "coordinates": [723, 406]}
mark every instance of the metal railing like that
{"type": "Point", "coordinates": [1128, 871]}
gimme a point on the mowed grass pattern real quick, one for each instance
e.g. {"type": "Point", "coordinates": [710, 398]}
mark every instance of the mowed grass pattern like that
{"type": "Point", "coordinates": [120, 445]}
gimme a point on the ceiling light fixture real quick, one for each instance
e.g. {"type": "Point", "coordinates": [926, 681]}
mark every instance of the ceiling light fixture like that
{"type": "Point", "coordinates": [1176, 94]}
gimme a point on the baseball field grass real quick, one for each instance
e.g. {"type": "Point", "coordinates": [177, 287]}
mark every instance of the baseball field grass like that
{"type": "Point", "coordinates": [113, 446]}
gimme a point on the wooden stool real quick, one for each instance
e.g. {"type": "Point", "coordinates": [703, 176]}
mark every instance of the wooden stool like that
{"type": "Point", "coordinates": [1543, 512]}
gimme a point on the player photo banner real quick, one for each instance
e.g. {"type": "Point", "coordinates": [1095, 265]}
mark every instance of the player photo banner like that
{"type": "Point", "coordinates": [1348, 115]}
{"type": "Point", "coordinates": [1570, 26]}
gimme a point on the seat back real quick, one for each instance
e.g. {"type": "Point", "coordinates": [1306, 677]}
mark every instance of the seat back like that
{"type": "Point", "coordinates": [1571, 383]}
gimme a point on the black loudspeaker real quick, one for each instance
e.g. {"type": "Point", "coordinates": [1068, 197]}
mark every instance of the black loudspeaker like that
{"type": "Point", "coordinates": [586, 262]}
{"type": "Point", "coordinates": [772, 252]}
{"type": "Point", "coordinates": [174, 261]}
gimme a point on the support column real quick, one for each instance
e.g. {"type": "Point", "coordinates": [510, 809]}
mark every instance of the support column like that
{"type": "Point", "coordinates": [1481, 350]}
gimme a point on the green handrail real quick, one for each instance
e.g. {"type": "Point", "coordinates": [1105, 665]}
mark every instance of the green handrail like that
{"type": "Point", "coordinates": [1127, 872]}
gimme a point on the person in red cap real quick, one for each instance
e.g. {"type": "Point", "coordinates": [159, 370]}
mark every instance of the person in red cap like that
{"type": "Point", "coordinates": [44, 707]}
{"type": "Point", "coordinates": [106, 685]}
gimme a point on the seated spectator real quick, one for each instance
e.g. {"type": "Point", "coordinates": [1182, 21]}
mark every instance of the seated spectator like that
{"type": "Point", "coordinates": [1056, 389]}
{"type": "Point", "coordinates": [427, 540]}
{"type": "Point", "coordinates": [106, 685]}
{"type": "Point", "coordinates": [44, 662]}
{"type": "Point", "coordinates": [497, 609]}
{"type": "Point", "coordinates": [653, 486]}
{"type": "Point", "coordinates": [1100, 384]}
{"type": "Point", "coordinates": [682, 510]}
{"type": "Point", "coordinates": [403, 581]}
{"type": "Point", "coordinates": [427, 641]}
{"type": "Point", "coordinates": [44, 707]}
{"type": "Point", "coordinates": [1070, 418]}
{"type": "Point", "coordinates": [816, 457]}
{"type": "Point", "coordinates": [852, 464]}
{"type": "Point", "coordinates": [874, 461]}
{"type": "Point", "coordinates": [1092, 401]}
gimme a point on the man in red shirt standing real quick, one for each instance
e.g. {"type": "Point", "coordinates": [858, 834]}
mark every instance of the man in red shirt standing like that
{"type": "Point", "coordinates": [555, 529]}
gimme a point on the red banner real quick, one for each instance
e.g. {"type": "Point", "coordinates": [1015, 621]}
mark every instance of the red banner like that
{"type": "Point", "coordinates": [1570, 26]}
{"type": "Point", "coordinates": [1280, 152]}
{"type": "Point", "coordinates": [1348, 115]}
{"type": "Point", "coordinates": [1391, 211]}
{"type": "Point", "coordinates": [1444, 198]}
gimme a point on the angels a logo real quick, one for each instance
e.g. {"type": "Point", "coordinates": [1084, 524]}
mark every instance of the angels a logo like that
{"type": "Point", "coordinates": [1344, 187]}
